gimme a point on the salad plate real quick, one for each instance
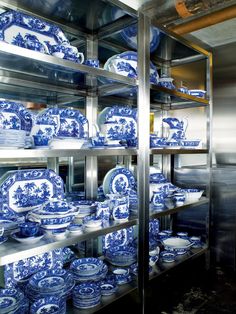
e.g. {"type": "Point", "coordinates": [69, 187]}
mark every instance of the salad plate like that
{"type": "Point", "coordinates": [15, 116]}
{"type": "Point", "coordinates": [118, 180]}
{"type": "Point", "coordinates": [48, 304]}
{"type": "Point", "coordinates": [25, 190]}
{"type": "Point", "coordinates": [10, 300]}
{"type": "Point", "coordinates": [86, 266]}
{"type": "Point", "coordinates": [29, 32]}
{"type": "Point", "coordinates": [72, 123]}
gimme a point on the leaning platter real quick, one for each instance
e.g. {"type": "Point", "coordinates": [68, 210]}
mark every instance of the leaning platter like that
{"type": "Point", "coordinates": [29, 32]}
{"type": "Point", "coordinates": [25, 190]}
{"type": "Point", "coordinates": [72, 123]}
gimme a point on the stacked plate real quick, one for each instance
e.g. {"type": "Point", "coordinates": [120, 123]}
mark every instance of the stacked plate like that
{"type": "Point", "coordinates": [83, 208]}
{"type": "Point", "coordinates": [49, 305]}
{"type": "Point", "coordinates": [13, 301]}
{"type": "Point", "coordinates": [121, 255]}
{"type": "Point", "coordinates": [54, 282]}
{"type": "Point", "coordinates": [86, 295]}
{"type": "Point", "coordinates": [88, 269]}
{"type": "Point", "coordinates": [10, 138]}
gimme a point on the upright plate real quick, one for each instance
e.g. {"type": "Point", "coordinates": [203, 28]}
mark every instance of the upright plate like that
{"type": "Point", "coordinates": [118, 180]}
{"type": "Point", "coordinates": [125, 117]}
{"type": "Point", "coordinates": [24, 190]}
{"type": "Point", "coordinates": [72, 123]}
{"type": "Point", "coordinates": [15, 116]}
{"type": "Point", "coordinates": [29, 32]}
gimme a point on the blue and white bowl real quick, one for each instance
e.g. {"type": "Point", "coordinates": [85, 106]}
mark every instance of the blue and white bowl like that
{"type": "Point", "coordinates": [121, 255]}
{"type": "Point", "coordinates": [168, 256]}
{"type": "Point", "coordinates": [197, 93]}
{"type": "Point", "coordinates": [177, 245]}
{"type": "Point", "coordinates": [86, 295]}
{"type": "Point", "coordinates": [28, 229]}
{"type": "Point", "coordinates": [179, 198]}
{"type": "Point", "coordinates": [52, 305]}
{"type": "Point", "coordinates": [27, 239]}
{"type": "Point", "coordinates": [196, 242]}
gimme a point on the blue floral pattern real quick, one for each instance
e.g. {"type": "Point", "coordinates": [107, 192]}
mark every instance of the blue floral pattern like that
{"type": "Point", "coordinates": [24, 190]}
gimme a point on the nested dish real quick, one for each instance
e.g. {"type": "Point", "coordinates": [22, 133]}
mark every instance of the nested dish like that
{"type": "Point", "coordinates": [52, 305]}
{"type": "Point", "coordinates": [86, 266]}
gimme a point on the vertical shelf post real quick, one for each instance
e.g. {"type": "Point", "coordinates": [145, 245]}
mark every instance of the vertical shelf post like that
{"type": "Point", "coordinates": [143, 154]}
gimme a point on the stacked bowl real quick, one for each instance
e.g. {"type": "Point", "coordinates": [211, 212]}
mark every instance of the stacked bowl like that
{"type": "Point", "coordinates": [121, 255]}
{"type": "Point", "coordinates": [86, 295]}
{"type": "Point", "coordinates": [88, 269]}
{"type": "Point", "coordinates": [50, 283]}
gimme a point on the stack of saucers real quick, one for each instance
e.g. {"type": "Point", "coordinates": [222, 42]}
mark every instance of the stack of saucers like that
{"type": "Point", "coordinates": [54, 282]}
{"type": "Point", "coordinates": [84, 208]}
{"type": "Point", "coordinates": [88, 269]}
{"type": "Point", "coordinates": [86, 295]}
{"type": "Point", "coordinates": [11, 138]}
{"type": "Point", "coordinates": [13, 301]}
{"type": "Point", "coordinates": [121, 255]}
{"type": "Point", "coordinates": [49, 305]}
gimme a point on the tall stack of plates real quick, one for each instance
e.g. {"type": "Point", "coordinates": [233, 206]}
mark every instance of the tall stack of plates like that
{"type": "Point", "coordinates": [10, 138]}
{"type": "Point", "coordinates": [86, 295]}
{"type": "Point", "coordinates": [53, 282]}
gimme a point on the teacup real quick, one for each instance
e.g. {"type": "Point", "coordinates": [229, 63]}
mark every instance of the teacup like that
{"type": "Point", "coordinates": [179, 198]}
{"type": "Point", "coordinates": [29, 229]}
{"type": "Point", "coordinates": [41, 140]}
{"type": "Point", "coordinates": [94, 63]}
{"type": "Point", "coordinates": [121, 275]}
{"type": "Point", "coordinates": [158, 199]}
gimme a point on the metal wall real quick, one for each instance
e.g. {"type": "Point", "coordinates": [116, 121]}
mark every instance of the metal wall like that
{"type": "Point", "coordinates": [223, 202]}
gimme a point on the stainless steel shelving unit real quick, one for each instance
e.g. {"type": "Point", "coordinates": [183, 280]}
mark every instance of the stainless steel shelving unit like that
{"type": "Point", "coordinates": [32, 76]}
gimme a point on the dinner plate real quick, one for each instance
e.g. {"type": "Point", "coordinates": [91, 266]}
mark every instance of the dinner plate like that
{"type": "Point", "coordinates": [118, 180]}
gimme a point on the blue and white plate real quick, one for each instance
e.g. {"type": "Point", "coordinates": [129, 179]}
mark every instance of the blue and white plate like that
{"type": "Point", "coordinates": [24, 190]}
{"type": "Point", "coordinates": [118, 180]}
{"type": "Point", "coordinates": [72, 123]}
{"type": "Point", "coordinates": [14, 115]}
{"type": "Point", "coordinates": [124, 117]}
{"type": "Point", "coordinates": [95, 278]}
{"type": "Point", "coordinates": [86, 266]}
{"type": "Point", "coordinates": [48, 305]}
{"type": "Point", "coordinates": [129, 35]}
{"type": "Point", "coordinates": [126, 64]}
{"type": "Point", "coordinates": [29, 32]}
{"type": "Point", "coordinates": [10, 300]}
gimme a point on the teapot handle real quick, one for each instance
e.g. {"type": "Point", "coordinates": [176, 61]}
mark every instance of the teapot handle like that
{"type": "Point", "coordinates": [96, 128]}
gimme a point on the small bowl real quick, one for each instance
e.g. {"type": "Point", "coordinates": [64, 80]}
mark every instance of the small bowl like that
{"type": "Point", "coordinates": [29, 229]}
{"type": "Point", "coordinates": [167, 257]}
{"type": "Point", "coordinates": [121, 275]}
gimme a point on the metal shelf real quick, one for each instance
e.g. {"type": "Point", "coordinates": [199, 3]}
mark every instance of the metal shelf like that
{"type": "Point", "coordinates": [170, 211]}
{"type": "Point", "coordinates": [106, 300]}
{"type": "Point", "coordinates": [166, 151]}
{"type": "Point", "coordinates": [166, 96]}
{"type": "Point", "coordinates": [161, 268]}
{"type": "Point", "coordinates": [12, 251]}
{"type": "Point", "coordinates": [44, 153]}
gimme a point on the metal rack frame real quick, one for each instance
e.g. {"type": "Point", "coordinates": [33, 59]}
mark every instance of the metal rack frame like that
{"type": "Point", "coordinates": [22, 84]}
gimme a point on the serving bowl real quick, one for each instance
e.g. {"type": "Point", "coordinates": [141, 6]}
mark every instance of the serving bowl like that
{"type": "Point", "coordinates": [177, 245]}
